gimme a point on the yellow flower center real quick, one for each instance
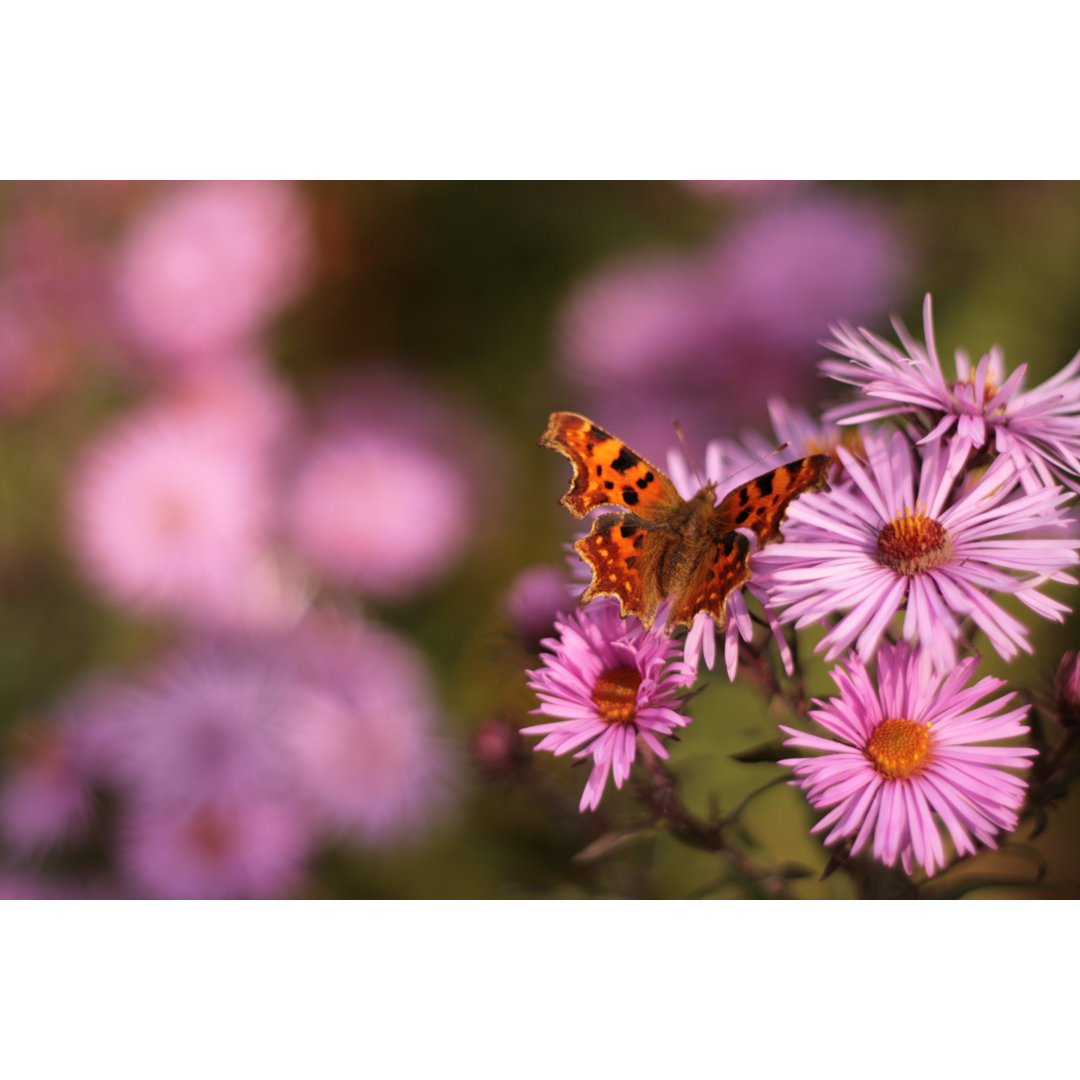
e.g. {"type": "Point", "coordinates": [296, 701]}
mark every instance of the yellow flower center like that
{"type": "Point", "coordinates": [615, 694]}
{"type": "Point", "coordinates": [990, 386]}
{"type": "Point", "coordinates": [848, 437]}
{"type": "Point", "coordinates": [913, 543]}
{"type": "Point", "coordinates": [899, 748]}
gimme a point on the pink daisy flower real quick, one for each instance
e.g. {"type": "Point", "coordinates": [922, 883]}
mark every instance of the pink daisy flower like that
{"type": "Point", "coordinates": [983, 407]}
{"type": "Point", "coordinates": [906, 753]}
{"type": "Point", "coordinates": [610, 682]}
{"type": "Point", "coordinates": [897, 539]}
{"type": "Point", "coordinates": [206, 266]}
{"type": "Point", "coordinates": [170, 513]}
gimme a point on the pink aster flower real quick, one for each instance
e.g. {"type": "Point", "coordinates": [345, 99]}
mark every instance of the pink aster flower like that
{"type": "Point", "coordinates": [364, 731]}
{"type": "Point", "coordinates": [206, 266]}
{"type": "Point", "coordinates": [170, 513]}
{"type": "Point", "coordinates": [983, 407]}
{"type": "Point", "coordinates": [610, 682]}
{"type": "Point", "coordinates": [897, 539]}
{"type": "Point", "coordinates": [906, 753]}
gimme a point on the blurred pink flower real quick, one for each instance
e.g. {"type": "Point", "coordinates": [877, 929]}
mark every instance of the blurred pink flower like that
{"type": "Point", "coordinates": [52, 311]}
{"type": "Point", "coordinates": [535, 597]}
{"type": "Point", "coordinates": [707, 335]}
{"type": "Point", "coordinates": [638, 318]}
{"type": "Point", "coordinates": [378, 511]}
{"type": "Point", "coordinates": [206, 267]}
{"type": "Point", "coordinates": [251, 848]}
{"type": "Point", "coordinates": [170, 512]}
{"type": "Point", "coordinates": [364, 733]}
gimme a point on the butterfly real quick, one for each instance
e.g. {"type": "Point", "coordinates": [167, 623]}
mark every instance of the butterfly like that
{"type": "Point", "coordinates": [663, 546]}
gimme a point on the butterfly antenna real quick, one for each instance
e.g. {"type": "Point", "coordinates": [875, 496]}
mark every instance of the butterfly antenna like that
{"type": "Point", "coordinates": [758, 461]}
{"type": "Point", "coordinates": [686, 450]}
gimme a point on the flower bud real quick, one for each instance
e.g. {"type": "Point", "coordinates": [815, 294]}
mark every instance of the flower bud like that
{"type": "Point", "coordinates": [1067, 691]}
{"type": "Point", "coordinates": [498, 748]}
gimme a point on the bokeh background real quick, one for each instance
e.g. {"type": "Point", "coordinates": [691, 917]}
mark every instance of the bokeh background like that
{"type": "Point", "coordinates": [277, 544]}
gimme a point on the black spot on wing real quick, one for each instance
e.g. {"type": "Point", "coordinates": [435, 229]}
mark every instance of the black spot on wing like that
{"type": "Point", "coordinates": [630, 496]}
{"type": "Point", "coordinates": [627, 459]}
{"type": "Point", "coordinates": [597, 435]}
{"type": "Point", "coordinates": [793, 469]}
{"type": "Point", "coordinates": [764, 484]}
{"type": "Point", "coordinates": [741, 516]}
{"type": "Point", "coordinates": [744, 496]}
{"type": "Point", "coordinates": [644, 481]}
{"type": "Point", "coordinates": [608, 484]}
{"type": "Point", "coordinates": [626, 531]}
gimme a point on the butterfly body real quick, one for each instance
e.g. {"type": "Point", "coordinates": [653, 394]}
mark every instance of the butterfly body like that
{"type": "Point", "coordinates": [661, 545]}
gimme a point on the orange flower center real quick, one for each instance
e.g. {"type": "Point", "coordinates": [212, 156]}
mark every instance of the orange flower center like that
{"type": "Point", "coordinates": [848, 437]}
{"type": "Point", "coordinates": [899, 748]}
{"type": "Point", "coordinates": [615, 694]}
{"type": "Point", "coordinates": [913, 543]}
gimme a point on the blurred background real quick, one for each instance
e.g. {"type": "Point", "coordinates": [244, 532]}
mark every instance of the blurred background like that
{"type": "Point", "coordinates": [277, 543]}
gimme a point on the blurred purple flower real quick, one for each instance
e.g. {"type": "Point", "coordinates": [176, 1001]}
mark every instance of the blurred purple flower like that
{"type": "Point", "coordinates": [895, 539]}
{"type": "Point", "coordinates": [45, 797]}
{"type": "Point", "coordinates": [707, 336]}
{"type": "Point", "coordinates": [208, 724]}
{"type": "Point", "coordinates": [904, 757]}
{"type": "Point", "coordinates": [206, 266]}
{"type": "Point", "coordinates": [250, 848]}
{"type": "Point", "coordinates": [982, 408]}
{"type": "Point", "coordinates": [534, 598]}
{"type": "Point", "coordinates": [170, 512]}
{"type": "Point", "coordinates": [363, 732]}
{"type": "Point", "coordinates": [609, 681]}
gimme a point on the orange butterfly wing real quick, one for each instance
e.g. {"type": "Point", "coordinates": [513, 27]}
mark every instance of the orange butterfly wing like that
{"type": "Point", "coordinates": [607, 472]}
{"type": "Point", "coordinates": [762, 504]}
{"type": "Point", "coordinates": [624, 554]}
{"type": "Point", "coordinates": [721, 568]}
